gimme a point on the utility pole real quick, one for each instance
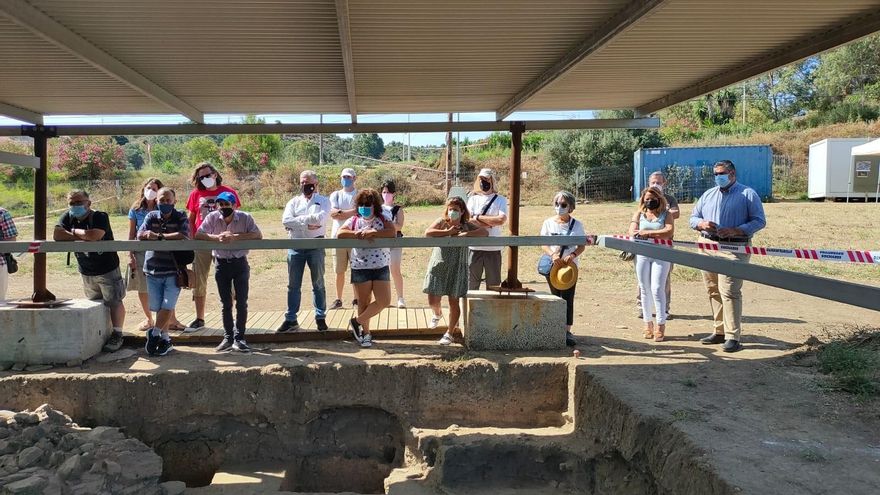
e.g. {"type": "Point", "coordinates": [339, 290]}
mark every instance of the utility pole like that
{"type": "Point", "coordinates": [448, 155]}
{"type": "Point", "coordinates": [321, 143]}
{"type": "Point", "coordinates": [408, 143]}
{"type": "Point", "coordinates": [744, 104]}
{"type": "Point", "coordinates": [457, 152]}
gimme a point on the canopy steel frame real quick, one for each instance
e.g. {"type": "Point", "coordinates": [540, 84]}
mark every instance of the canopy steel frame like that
{"type": "Point", "coordinates": [362, 128]}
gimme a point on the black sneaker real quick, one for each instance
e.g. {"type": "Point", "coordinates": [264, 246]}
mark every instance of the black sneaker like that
{"type": "Point", "coordinates": [322, 324]}
{"type": "Point", "coordinates": [288, 326]}
{"type": "Point", "coordinates": [356, 329]}
{"type": "Point", "coordinates": [114, 343]}
{"type": "Point", "coordinates": [337, 304]}
{"type": "Point", "coordinates": [354, 303]}
{"type": "Point", "coordinates": [225, 345]}
{"type": "Point", "coordinates": [712, 339]}
{"type": "Point", "coordinates": [153, 339]}
{"type": "Point", "coordinates": [195, 325]}
{"type": "Point", "coordinates": [241, 346]}
{"type": "Point", "coordinates": [164, 347]}
{"type": "Point", "coordinates": [570, 341]}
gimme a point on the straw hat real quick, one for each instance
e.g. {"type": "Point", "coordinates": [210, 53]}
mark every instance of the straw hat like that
{"type": "Point", "coordinates": [563, 277]}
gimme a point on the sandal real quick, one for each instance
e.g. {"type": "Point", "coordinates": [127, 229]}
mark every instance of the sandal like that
{"type": "Point", "coordinates": [176, 327]}
{"type": "Point", "coordinates": [659, 334]}
{"type": "Point", "coordinates": [649, 331]}
{"type": "Point", "coordinates": [146, 325]}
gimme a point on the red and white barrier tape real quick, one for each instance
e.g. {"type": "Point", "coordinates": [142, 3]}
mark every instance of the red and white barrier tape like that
{"type": "Point", "coordinates": [34, 247]}
{"type": "Point", "coordinates": [834, 255]}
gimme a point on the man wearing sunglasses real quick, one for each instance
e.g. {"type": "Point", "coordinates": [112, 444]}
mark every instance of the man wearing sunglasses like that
{"type": "Point", "coordinates": [730, 213]}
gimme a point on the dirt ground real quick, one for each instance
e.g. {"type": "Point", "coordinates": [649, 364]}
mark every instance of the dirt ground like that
{"type": "Point", "coordinates": [764, 418]}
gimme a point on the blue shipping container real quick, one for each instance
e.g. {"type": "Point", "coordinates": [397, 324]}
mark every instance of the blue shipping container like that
{"type": "Point", "coordinates": [689, 170]}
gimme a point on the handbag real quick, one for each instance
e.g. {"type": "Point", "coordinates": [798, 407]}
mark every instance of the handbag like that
{"type": "Point", "coordinates": [11, 264]}
{"type": "Point", "coordinates": [545, 262]}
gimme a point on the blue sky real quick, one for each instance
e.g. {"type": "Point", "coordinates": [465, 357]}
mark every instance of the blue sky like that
{"type": "Point", "coordinates": [417, 139]}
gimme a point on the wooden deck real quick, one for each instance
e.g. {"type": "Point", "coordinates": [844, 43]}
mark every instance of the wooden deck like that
{"type": "Point", "coordinates": [391, 322]}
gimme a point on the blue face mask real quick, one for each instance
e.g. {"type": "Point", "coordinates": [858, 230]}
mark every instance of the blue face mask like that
{"type": "Point", "coordinates": [347, 182]}
{"type": "Point", "coordinates": [166, 209]}
{"type": "Point", "coordinates": [722, 180]}
{"type": "Point", "coordinates": [78, 211]}
{"type": "Point", "coordinates": [365, 211]}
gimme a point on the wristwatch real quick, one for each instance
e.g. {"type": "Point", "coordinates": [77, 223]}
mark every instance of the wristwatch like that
{"type": "Point", "coordinates": [161, 237]}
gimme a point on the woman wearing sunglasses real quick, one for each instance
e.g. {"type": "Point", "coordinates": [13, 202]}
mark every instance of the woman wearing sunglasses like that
{"type": "Point", "coordinates": [563, 224]}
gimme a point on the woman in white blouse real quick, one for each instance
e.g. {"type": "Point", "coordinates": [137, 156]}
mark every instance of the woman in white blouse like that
{"type": "Point", "coordinates": [563, 224]}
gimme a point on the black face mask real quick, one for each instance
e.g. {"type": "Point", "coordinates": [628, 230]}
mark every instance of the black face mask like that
{"type": "Point", "coordinates": [226, 212]}
{"type": "Point", "coordinates": [308, 189]}
{"type": "Point", "coordinates": [485, 185]}
{"type": "Point", "coordinates": [652, 204]}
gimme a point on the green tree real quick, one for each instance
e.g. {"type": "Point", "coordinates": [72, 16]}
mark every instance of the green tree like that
{"type": "Point", "coordinates": [247, 153]}
{"type": "Point", "coordinates": [303, 151]}
{"type": "Point", "coordinates": [369, 145]}
{"type": "Point", "coordinates": [200, 149]}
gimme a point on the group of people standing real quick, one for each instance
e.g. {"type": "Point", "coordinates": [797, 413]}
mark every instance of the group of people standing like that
{"type": "Point", "coordinates": [730, 213]}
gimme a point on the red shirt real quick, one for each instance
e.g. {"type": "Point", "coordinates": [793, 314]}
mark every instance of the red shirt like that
{"type": "Point", "coordinates": [202, 201]}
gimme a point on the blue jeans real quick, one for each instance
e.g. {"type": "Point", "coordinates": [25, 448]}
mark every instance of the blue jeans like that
{"type": "Point", "coordinates": [296, 262]}
{"type": "Point", "coordinates": [162, 291]}
{"type": "Point", "coordinates": [233, 273]}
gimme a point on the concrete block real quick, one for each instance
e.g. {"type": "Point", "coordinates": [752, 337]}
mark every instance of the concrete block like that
{"type": "Point", "coordinates": [514, 322]}
{"type": "Point", "coordinates": [76, 330]}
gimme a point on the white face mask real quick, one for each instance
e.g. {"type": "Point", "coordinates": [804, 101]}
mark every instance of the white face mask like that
{"type": "Point", "coordinates": [659, 187]}
{"type": "Point", "coordinates": [560, 210]}
{"type": "Point", "coordinates": [149, 194]}
{"type": "Point", "coordinates": [208, 182]}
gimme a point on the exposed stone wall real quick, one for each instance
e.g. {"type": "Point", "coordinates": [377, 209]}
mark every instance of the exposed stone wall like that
{"type": "Point", "coordinates": [44, 452]}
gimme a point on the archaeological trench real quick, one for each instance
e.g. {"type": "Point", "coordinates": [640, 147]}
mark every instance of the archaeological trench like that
{"type": "Point", "coordinates": [444, 427]}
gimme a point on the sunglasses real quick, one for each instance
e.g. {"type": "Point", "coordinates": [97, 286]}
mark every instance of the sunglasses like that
{"type": "Point", "coordinates": [563, 205]}
{"type": "Point", "coordinates": [721, 173]}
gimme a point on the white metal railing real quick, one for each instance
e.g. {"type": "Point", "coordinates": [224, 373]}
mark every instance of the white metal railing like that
{"type": "Point", "coordinates": [183, 245]}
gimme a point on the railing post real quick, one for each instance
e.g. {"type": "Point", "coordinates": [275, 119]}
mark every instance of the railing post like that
{"type": "Point", "coordinates": [41, 135]}
{"type": "Point", "coordinates": [516, 131]}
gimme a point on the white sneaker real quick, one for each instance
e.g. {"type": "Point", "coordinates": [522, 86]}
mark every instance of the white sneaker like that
{"type": "Point", "coordinates": [401, 303]}
{"type": "Point", "coordinates": [435, 320]}
{"type": "Point", "coordinates": [367, 341]}
{"type": "Point", "coordinates": [446, 339]}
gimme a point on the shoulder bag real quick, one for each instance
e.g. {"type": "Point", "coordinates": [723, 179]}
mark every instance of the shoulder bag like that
{"type": "Point", "coordinates": [545, 262]}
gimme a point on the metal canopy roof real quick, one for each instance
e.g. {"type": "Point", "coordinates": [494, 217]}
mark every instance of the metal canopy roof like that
{"type": "Point", "coordinates": [398, 56]}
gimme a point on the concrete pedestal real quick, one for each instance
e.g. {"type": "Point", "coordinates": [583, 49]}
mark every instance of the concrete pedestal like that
{"type": "Point", "coordinates": [514, 322]}
{"type": "Point", "coordinates": [74, 331]}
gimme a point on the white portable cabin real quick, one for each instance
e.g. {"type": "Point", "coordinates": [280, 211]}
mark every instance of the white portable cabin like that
{"type": "Point", "coordinates": [865, 171]}
{"type": "Point", "coordinates": [829, 167]}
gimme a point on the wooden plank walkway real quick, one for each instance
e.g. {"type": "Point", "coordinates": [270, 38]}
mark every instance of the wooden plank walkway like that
{"type": "Point", "coordinates": [391, 322]}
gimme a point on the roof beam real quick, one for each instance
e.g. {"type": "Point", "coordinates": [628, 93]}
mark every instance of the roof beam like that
{"type": "Point", "coordinates": [21, 114]}
{"type": "Point", "coordinates": [364, 128]}
{"type": "Point", "coordinates": [47, 28]}
{"type": "Point", "coordinates": [595, 41]}
{"type": "Point", "coordinates": [860, 26]}
{"type": "Point", "coordinates": [347, 59]}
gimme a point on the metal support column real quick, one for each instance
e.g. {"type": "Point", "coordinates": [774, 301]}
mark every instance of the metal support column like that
{"type": "Point", "coordinates": [41, 135]}
{"type": "Point", "coordinates": [512, 283]}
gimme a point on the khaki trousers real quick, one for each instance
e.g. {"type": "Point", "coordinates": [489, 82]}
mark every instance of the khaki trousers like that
{"type": "Point", "coordinates": [725, 297]}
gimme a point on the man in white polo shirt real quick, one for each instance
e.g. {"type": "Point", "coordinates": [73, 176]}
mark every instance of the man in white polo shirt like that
{"type": "Point", "coordinates": [488, 209]}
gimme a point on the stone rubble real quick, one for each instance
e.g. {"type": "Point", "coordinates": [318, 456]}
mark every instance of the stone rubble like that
{"type": "Point", "coordinates": [44, 452]}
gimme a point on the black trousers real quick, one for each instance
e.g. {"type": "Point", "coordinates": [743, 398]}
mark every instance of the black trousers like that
{"type": "Point", "coordinates": [233, 273]}
{"type": "Point", "coordinates": [568, 296]}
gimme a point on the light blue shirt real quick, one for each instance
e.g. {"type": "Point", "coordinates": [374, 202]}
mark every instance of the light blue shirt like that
{"type": "Point", "coordinates": [737, 207]}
